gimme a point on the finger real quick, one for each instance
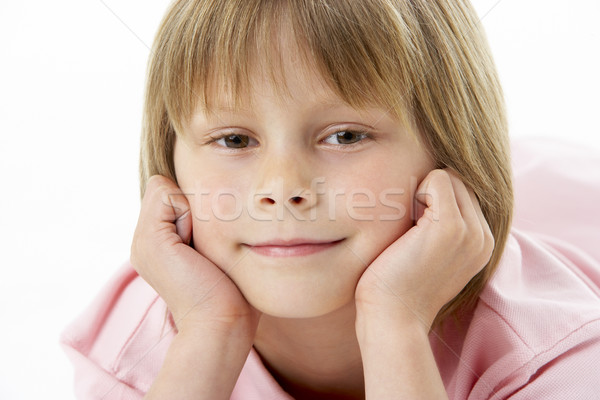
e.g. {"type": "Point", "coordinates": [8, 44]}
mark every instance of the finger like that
{"type": "Point", "coordinates": [419, 208]}
{"type": "Point", "coordinates": [473, 216]}
{"type": "Point", "coordinates": [477, 207]}
{"type": "Point", "coordinates": [183, 227]}
{"type": "Point", "coordinates": [165, 203]}
{"type": "Point", "coordinates": [436, 195]}
{"type": "Point", "coordinates": [467, 202]}
{"type": "Point", "coordinates": [463, 199]}
{"type": "Point", "coordinates": [489, 241]}
{"type": "Point", "coordinates": [164, 200]}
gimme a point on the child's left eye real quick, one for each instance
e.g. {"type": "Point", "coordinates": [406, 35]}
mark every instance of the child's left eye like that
{"type": "Point", "coordinates": [345, 137]}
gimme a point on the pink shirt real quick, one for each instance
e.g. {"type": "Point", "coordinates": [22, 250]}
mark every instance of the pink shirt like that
{"type": "Point", "coordinates": [534, 334]}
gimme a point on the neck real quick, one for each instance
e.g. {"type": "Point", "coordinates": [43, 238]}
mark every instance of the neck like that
{"type": "Point", "coordinates": [313, 356]}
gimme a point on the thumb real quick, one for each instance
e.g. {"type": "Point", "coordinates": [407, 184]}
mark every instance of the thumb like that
{"type": "Point", "coordinates": [183, 227]}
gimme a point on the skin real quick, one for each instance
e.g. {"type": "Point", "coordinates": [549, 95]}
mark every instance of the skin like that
{"type": "Point", "coordinates": [350, 321]}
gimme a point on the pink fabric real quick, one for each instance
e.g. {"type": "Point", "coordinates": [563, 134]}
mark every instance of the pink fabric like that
{"type": "Point", "coordinates": [535, 333]}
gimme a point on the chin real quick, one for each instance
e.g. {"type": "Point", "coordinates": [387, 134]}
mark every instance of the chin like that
{"type": "Point", "coordinates": [297, 311]}
{"type": "Point", "coordinates": [294, 287]}
{"type": "Point", "coordinates": [295, 303]}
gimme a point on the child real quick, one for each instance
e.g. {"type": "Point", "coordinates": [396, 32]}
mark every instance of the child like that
{"type": "Point", "coordinates": [326, 213]}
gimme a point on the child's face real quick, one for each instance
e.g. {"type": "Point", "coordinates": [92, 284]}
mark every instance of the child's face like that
{"type": "Point", "coordinates": [301, 168]}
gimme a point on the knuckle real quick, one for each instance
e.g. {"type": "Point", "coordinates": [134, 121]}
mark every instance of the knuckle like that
{"type": "Point", "coordinates": [439, 176]}
{"type": "Point", "coordinates": [486, 246]}
{"type": "Point", "coordinates": [450, 172]}
{"type": "Point", "coordinates": [431, 181]}
{"type": "Point", "coordinates": [158, 185]}
{"type": "Point", "coordinates": [152, 185]}
{"type": "Point", "coordinates": [161, 192]}
{"type": "Point", "coordinates": [489, 241]}
{"type": "Point", "coordinates": [452, 176]}
{"type": "Point", "coordinates": [156, 181]}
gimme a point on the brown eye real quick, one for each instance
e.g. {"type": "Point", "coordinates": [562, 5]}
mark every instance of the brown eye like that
{"type": "Point", "coordinates": [345, 137]}
{"type": "Point", "coordinates": [234, 141]}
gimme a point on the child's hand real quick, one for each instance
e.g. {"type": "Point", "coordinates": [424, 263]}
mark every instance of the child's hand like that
{"type": "Point", "coordinates": [432, 262]}
{"type": "Point", "coordinates": [196, 291]}
{"type": "Point", "coordinates": [215, 322]}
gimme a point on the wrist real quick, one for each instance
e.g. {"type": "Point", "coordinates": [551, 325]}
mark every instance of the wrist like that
{"type": "Point", "coordinates": [377, 323]}
{"type": "Point", "coordinates": [229, 330]}
{"type": "Point", "coordinates": [203, 362]}
{"type": "Point", "coordinates": [397, 358]}
{"type": "Point", "coordinates": [225, 322]}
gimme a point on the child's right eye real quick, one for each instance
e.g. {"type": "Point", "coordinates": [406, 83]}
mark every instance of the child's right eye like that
{"type": "Point", "coordinates": [235, 141]}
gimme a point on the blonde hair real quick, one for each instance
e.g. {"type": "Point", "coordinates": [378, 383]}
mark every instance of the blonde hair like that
{"type": "Point", "coordinates": [424, 60]}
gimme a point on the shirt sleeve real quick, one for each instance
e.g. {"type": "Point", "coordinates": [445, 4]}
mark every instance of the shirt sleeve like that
{"type": "Point", "coordinates": [118, 343]}
{"type": "Point", "coordinates": [572, 375]}
{"type": "Point", "coordinates": [92, 382]}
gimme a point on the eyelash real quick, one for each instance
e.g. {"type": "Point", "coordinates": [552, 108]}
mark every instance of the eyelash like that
{"type": "Point", "coordinates": [363, 136]}
{"type": "Point", "coordinates": [214, 140]}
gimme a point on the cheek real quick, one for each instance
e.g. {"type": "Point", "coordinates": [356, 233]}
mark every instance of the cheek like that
{"type": "Point", "coordinates": [376, 194]}
{"type": "Point", "coordinates": [217, 204]}
{"type": "Point", "coordinates": [378, 205]}
{"type": "Point", "coordinates": [215, 196]}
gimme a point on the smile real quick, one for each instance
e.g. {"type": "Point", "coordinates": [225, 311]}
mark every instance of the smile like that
{"type": "Point", "coordinates": [292, 248]}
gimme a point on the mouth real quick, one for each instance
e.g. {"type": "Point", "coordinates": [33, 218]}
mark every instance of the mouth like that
{"type": "Point", "coordinates": [292, 248]}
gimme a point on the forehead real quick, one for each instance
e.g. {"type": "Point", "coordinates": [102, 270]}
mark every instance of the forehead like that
{"type": "Point", "coordinates": [283, 74]}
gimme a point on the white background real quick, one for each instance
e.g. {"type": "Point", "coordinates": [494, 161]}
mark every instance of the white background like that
{"type": "Point", "coordinates": [71, 86]}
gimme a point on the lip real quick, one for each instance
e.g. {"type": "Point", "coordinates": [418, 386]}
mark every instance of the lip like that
{"type": "Point", "coordinates": [293, 247]}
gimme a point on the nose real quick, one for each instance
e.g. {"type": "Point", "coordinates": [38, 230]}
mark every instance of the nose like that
{"type": "Point", "coordinates": [285, 183]}
{"type": "Point", "coordinates": [276, 193]}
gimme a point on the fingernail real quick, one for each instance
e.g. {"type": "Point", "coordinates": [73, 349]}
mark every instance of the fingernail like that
{"type": "Point", "coordinates": [182, 216]}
